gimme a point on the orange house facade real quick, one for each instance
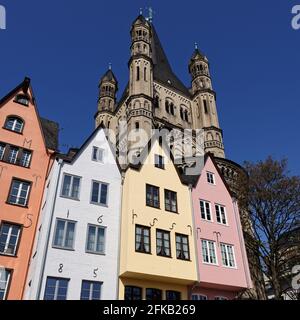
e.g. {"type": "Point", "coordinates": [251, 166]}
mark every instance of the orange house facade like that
{"type": "Point", "coordinates": [27, 147]}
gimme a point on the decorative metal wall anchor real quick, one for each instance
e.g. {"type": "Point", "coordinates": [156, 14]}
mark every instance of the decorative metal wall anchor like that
{"type": "Point", "coordinates": [100, 219]}
{"type": "Point", "coordinates": [95, 272]}
{"type": "Point", "coordinates": [198, 232]}
{"type": "Point", "coordinates": [133, 216]}
{"type": "Point", "coordinates": [29, 219]}
{"type": "Point", "coordinates": [61, 267]}
{"type": "Point", "coordinates": [37, 177]}
{"type": "Point", "coordinates": [2, 169]}
{"type": "Point", "coordinates": [218, 234]}
{"type": "Point", "coordinates": [191, 229]}
{"type": "Point", "coordinates": [68, 214]}
{"type": "Point", "coordinates": [27, 143]}
{"type": "Point", "coordinates": [173, 225]}
{"type": "Point", "coordinates": [153, 223]}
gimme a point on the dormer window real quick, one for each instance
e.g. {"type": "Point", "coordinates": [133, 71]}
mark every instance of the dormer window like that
{"type": "Point", "coordinates": [22, 99]}
{"type": "Point", "coordinates": [14, 124]}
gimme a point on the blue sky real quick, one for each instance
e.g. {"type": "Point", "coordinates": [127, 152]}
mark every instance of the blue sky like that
{"type": "Point", "coordinates": [65, 47]}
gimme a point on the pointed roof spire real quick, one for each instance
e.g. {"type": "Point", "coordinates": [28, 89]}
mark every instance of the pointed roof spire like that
{"type": "Point", "coordinates": [109, 76]}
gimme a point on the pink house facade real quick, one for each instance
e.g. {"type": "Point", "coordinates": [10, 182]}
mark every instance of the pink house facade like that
{"type": "Point", "coordinates": [223, 269]}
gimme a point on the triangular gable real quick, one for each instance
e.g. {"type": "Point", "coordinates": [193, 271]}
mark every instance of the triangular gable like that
{"type": "Point", "coordinates": [26, 88]}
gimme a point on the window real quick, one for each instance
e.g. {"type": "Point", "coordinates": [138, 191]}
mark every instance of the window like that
{"type": "Point", "coordinates": [95, 240]}
{"type": "Point", "coordinates": [171, 201]}
{"type": "Point", "coordinates": [182, 247]}
{"type": "Point", "coordinates": [5, 275]}
{"type": "Point", "coordinates": [205, 106]}
{"type": "Point", "coordinates": [9, 238]}
{"type": "Point", "coordinates": [22, 99]}
{"type": "Point", "coordinates": [71, 185]}
{"type": "Point", "coordinates": [163, 243]}
{"type": "Point", "coordinates": [153, 294]}
{"type": "Point", "coordinates": [220, 298]}
{"type": "Point", "coordinates": [205, 210]}
{"type": "Point", "coordinates": [142, 239]}
{"type": "Point", "coordinates": [159, 162]}
{"type": "Point", "coordinates": [156, 102]}
{"type": "Point", "coordinates": [19, 192]}
{"type": "Point", "coordinates": [13, 155]}
{"type": "Point", "coordinates": [98, 154]}
{"type": "Point", "coordinates": [209, 252]}
{"type": "Point", "coordinates": [167, 107]}
{"type": "Point", "coordinates": [152, 196]}
{"type": "Point", "coordinates": [133, 293]}
{"type": "Point", "coordinates": [227, 252]}
{"type": "Point", "coordinates": [145, 73]}
{"type": "Point", "coordinates": [25, 158]}
{"type": "Point", "coordinates": [198, 297]}
{"type": "Point", "coordinates": [186, 116]}
{"type": "Point", "coordinates": [56, 289]}
{"type": "Point", "coordinates": [137, 73]}
{"type": "Point", "coordinates": [210, 177]}
{"type": "Point", "coordinates": [14, 124]}
{"type": "Point", "coordinates": [64, 234]}
{"type": "Point", "coordinates": [181, 114]}
{"type": "Point", "coordinates": [172, 109]}
{"type": "Point", "coordinates": [99, 193]}
{"type": "Point", "coordinates": [137, 126]}
{"type": "Point", "coordinates": [221, 214]}
{"type": "Point", "coordinates": [2, 150]}
{"type": "Point", "coordinates": [90, 290]}
{"type": "Point", "coordinates": [173, 295]}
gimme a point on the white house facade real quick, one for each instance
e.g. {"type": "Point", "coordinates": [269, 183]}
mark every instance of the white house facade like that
{"type": "Point", "coordinates": [77, 243]}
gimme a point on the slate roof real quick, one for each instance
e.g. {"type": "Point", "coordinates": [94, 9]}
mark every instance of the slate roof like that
{"type": "Point", "coordinates": [51, 131]}
{"type": "Point", "coordinates": [162, 69]}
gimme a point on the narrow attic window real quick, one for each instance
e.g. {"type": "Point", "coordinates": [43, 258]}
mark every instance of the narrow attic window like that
{"type": "Point", "coordinates": [98, 154]}
{"type": "Point", "coordinates": [22, 99]}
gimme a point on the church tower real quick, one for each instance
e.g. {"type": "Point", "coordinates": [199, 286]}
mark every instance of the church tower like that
{"type": "Point", "coordinates": [204, 99]}
{"type": "Point", "coordinates": [108, 88]}
{"type": "Point", "coordinates": [139, 112]}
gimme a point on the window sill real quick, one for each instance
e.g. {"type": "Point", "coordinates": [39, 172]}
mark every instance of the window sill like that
{"type": "Point", "coordinates": [211, 264]}
{"type": "Point", "coordinates": [188, 260]}
{"type": "Point", "coordinates": [69, 198]}
{"type": "Point", "coordinates": [8, 255]}
{"type": "Point", "coordinates": [17, 205]}
{"type": "Point", "coordinates": [99, 204]}
{"type": "Point", "coordinates": [147, 205]}
{"type": "Point", "coordinates": [14, 164]}
{"type": "Point", "coordinates": [149, 253]}
{"type": "Point", "coordinates": [62, 248]}
{"type": "Point", "coordinates": [20, 133]}
{"type": "Point", "coordinates": [95, 253]}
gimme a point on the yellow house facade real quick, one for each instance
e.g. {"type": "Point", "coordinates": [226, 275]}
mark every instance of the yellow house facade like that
{"type": "Point", "coordinates": [157, 258]}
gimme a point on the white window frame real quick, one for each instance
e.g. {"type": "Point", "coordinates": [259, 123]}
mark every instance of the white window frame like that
{"type": "Point", "coordinates": [13, 155]}
{"type": "Point", "coordinates": [199, 295]}
{"type": "Point", "coordinates": [19, 192]}
{"type": "Point", "coordinates": [99, 193]}
{"type": "Point", "coordinates": [225, 214]}
{"type": "Point", "coordinates": [87, 239]}
{"type": "Point", "coordinates": [11, 225]}
{"type": "Point", "coordinates": [3, 146]}
{"type": "Point", "coordinates": [25, 160]}
{"type": "Point", "coordinates": [13, 128]}
{"type": "Point", "coordinates": [98, 151]}
{"type": "Point", "coordinates": [210, 175]}
{"type": "Point", "coordinates": [7, 282]}
{"type": "Point", "coordinates": [71, 186]}
{"type": "Point", "coordinates": [227, 255]}
{"type": "Point", "coordinates": [205, 211]}
{"type": "Point", "coordinates": [64, 236]}
{"type": "Point", "coordinates": [207, 248]}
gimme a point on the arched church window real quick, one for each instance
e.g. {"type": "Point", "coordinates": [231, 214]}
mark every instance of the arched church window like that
{"type": "Point", "coordinates": [167, 106]}
{"type": "Point", "coordinates": [156, 102]}
{"type": "Point", "coordinates": [138, 73]}
{"type": "Point", "coordinates": [181, 113]}
{"type": "Point", "coordinates": [172, 109]}
{"type": "Point", "coordinates": [145, 74]}
{"type": "Point", "coordinates": [186, 116]}
{"type": "Point", "coordinates": [205, 106]}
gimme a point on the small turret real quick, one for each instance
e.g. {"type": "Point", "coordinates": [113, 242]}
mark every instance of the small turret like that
{"type": "Point", "coordinates": [108, 88]}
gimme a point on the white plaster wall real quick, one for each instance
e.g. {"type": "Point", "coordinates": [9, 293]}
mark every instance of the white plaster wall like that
{"type": "Point", "coordinates": [79, 265]}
